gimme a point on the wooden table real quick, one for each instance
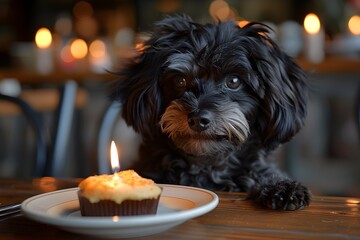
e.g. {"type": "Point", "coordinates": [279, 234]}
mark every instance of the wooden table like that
{"type": "Point", "coordinates": [233, 218]}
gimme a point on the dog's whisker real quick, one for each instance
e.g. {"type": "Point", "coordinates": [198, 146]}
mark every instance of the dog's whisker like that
{"type": "Point", "coordinates": [237, 135]}
{"type": "Point", "coordinates": [235, 124]}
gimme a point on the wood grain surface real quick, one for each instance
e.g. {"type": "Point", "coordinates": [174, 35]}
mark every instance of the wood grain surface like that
{"type": "Point", "coordinates": [234, 218]}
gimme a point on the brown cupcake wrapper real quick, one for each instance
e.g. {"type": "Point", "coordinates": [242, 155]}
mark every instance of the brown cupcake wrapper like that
{"type": "Point", "coordinates": [111, 208]}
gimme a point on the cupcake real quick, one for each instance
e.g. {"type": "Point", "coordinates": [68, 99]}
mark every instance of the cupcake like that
{"type": "Point", "coordinates": [122, 194]}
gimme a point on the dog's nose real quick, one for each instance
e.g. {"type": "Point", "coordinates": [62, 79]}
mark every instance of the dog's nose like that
{"type": "Point", "coordinates": [199, 120]}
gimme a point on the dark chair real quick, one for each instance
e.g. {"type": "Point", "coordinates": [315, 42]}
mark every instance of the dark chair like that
{"type": "Point", "coordinates": [114, 127]}
{"type": "Point", "coordinates": [357, 110]}
{"type": "Point", "coordinates": [36, 124]}
{"type": "Point", "coordinates": [62, 130]}
{"type": "Point", "coordinates": [104, 138]}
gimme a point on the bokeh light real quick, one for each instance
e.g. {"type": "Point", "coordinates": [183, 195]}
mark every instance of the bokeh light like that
{"type": "Point", "coordinates": [219, 10]}
{"type": "Point", "coordinates": [97, 49]}
{"type": "Point", "coordinates": [78, 48]}
{"type": "Point", "coordinates": [43, 38]}
{"type": "Point", "coordinates": [312, 23]}
{"type": "Point", "coordinates": [354, 25]}
{"type": "Point", "coordinates": [66, 55]}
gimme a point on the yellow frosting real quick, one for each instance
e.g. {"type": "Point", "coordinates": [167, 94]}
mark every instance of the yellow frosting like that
{"type": "Point", "coordinates": [124, 185]}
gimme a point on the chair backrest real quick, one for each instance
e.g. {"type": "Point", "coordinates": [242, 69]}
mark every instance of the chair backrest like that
{"type": "Point", "coordinates": [357, 110]}
{"type": "Point", "coordinates": [107, 125]}
{"type": "Point", "coordinates": [113, 127]}
{"type": "Point", "coordinates": [36, 124]}
{"type": "Point", "coordinates": [63, 125]}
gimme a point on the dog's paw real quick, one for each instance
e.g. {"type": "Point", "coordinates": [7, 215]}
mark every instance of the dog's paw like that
{"type": "Point", "coordinates": [284, 195]}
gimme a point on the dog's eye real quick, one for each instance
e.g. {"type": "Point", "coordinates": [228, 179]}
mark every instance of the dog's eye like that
{"type": "Point", "coordinates": [233, 82]}
{"type": "Point", "coordinates": [180, 82]}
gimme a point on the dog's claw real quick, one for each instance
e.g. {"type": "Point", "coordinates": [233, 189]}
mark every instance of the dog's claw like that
{"type": "Point", "coordinates": [285, 195]}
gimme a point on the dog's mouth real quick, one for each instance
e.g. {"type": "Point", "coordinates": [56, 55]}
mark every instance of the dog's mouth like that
{"type": "Point", "coordinates": [203, 137]}
{"type": "Point", "coordinates": [203, 144]}
{"type": "Point", "coordinates": [227, 129]}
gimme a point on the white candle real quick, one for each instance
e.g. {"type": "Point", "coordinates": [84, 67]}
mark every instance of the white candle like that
{"type": "Point", "coordinates": [348, 43]}
{"type": "Point", "coordinates": [314, 39]}
{"type": "Point", "coordinates": [79, 51]}
{"type": "Point", "coordinates": [99, 57]}
{"type": "Point", "coordinates": [44, 54]}
{"type": "Point", "coordinates": [354, 29]}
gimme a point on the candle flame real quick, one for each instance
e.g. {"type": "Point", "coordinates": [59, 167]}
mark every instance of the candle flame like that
{"type": "Point", "coordinates": [312, 23]}
{"type": "Point", "coordinates": [97, 49]}
{"type": "Point", "coordinates": [114, 157]}
{"type": "Point", "coordinates": [43, 38]}
{"type": "Point", "coordinates": [78, 48]}
{"type": "Point", "coordinates": [354, 25]}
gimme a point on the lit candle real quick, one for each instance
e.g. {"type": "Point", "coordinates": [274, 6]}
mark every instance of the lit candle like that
{"type": "Point", "coordinates": [114, 158]}
{"type": "Point", "coordinates": [354, 25]}
{"type": "Point", "coordinates": [79, 51]}
{"type": "Point", "coordinates": [348, 43]}
{"type": "Point", "coordinates": [99, 57]}
{"type": "Point", "coordinates": [314, 39]}
{"type": "Point", "coordinates": [353, 43]}
{"type": "Point", "coordinates": [44, 56]}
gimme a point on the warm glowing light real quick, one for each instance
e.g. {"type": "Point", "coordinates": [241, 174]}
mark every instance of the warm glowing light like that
{"type": "Point", "coordinates": [97, 49]}
{"type": "Point", "coordinates": [115, 218]}
{"type": "Point", "coordinates": [46, 184]}
{"type": "Point", "coordinates": [114, 157]}
{"type": "Point", "coordinates": [78, 48]}
{"type": "Point", "coordinates": [219, 9]}
{"type": "Point", "coordinates": [242, 23]}
{"type": "Point", "coordinates": [312, 23]}
{"type": "Point", "coordinates": [352, 201]}
{"type": "Point", "coordinates": [43, 38]}
{"type": "Point", "coordinates": [140, 47]}
{"type": "Point", "coordinates": [354, 25]}
{"type": "Point", "coordinates": [66, 55]}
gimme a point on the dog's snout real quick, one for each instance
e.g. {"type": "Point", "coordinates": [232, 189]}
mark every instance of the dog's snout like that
{"type": "Point", "coordinates": [199, 120]}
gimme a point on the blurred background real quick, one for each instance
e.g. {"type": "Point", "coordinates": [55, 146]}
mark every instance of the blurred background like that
{"type": "Point", "coordinates": [55, 55]}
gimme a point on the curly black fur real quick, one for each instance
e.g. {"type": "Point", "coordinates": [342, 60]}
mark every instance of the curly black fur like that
{"type": "Point", "coordinates": [211, 101]}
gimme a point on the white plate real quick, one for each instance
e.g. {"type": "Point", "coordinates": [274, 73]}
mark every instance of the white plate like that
{"type": "Point", "coordinates": [177, 205]}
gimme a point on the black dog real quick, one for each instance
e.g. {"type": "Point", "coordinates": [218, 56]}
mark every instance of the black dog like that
{"type": "Point", "coordinates": [211, 101]}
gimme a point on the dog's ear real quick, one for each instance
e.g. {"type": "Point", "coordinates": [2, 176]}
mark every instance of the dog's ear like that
{"type": "Point", "coordinates": [138, 87]}
{"type": "Point", "coordinates": [138, 91]}
{"type": "Point", "coordinates": [284, 94]}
